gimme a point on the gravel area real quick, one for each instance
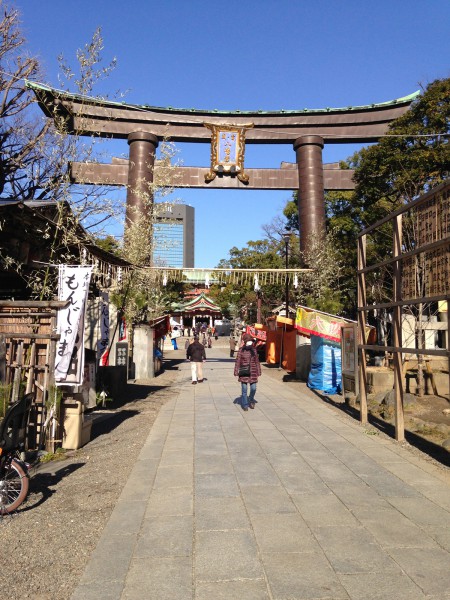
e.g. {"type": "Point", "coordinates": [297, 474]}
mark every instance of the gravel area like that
{"type": "Point", "coordinates": [46, 544]}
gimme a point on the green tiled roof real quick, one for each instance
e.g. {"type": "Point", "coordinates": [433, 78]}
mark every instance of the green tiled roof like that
{"type": "Point", "coordinates": [103, 101]}
{"type": "Point", "coordinates": [201, 301]}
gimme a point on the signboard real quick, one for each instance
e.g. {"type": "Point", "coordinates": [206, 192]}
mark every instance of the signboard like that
{"type": "Point", "coordinates": [310, 322]}
{"type": "Point", "coordinates": [227, 151]}
{"type": "Point", "coordinates": [433, 224]}
{"type": "Point", "coordinates": [122, 357]}
{"type": "Point", "coordinates": [258, 334]}
{"type": "Point", "coordinates": [122, 354]}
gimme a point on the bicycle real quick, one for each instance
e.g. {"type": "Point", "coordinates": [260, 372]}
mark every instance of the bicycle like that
{"type": "Point", "coordinates": [14, 477]}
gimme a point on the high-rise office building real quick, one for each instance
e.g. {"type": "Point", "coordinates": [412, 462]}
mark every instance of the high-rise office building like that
{"type": "Point", "coordinates": [173, 236]}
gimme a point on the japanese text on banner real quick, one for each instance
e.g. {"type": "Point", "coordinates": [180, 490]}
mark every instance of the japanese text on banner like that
{"type": "Point", "coordinates": [73, 287]}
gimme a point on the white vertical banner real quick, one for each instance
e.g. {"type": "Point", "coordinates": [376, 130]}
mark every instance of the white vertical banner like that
{"type": "Point", "coordinates": [103, 342]}
{"type": "Point", "coordinates": [73, 286]}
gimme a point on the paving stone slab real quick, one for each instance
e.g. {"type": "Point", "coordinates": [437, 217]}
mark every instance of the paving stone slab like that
{"type": "Point", "coordinates": [381, 586]}
{"type": "Point", "coordinates": [165, 537]}
{"type": "Point", "coordinates": [220, 514]}
{"type": "Point", "coordinates": [332, 472]}
{"type": "Point", "coordinates": [267, 499]}
{"type": "Point", "coordinates": [216, 485]}
{"type": "Point", "coordinates": [303, 483]}
{"type": "Point", "coordinates": [429, 568]}
{"type": "Point", "coordinates": [283, 533]}
{"type": "Point", "coordinates": [159, 578]}
{"type": "Point", "coordinates": [126, 517]}
{"type": "Point", "coordinates": [392, 529]}
{"type": "Point", "coordinates": [94, 590]}
{"type": "Point", "coordinates": [170, 501]}
{"type": "Point", "coordinates": [213, 464]}
{"type": "Point", "coordinates": [209, 450]}
{"type": "Point", "coordinates": [322, 510]}
{"type": "Point", "coordinates": [302, 576]}
{"type": "Point", "coordinates": [358, 495]}
{"type": "Point", "coordinates": [387, 485]}
{"type": "Point", "coordinates": [353, 550]}
{"type": "Point", "coordinates": [226, 555]}
{"type": "Point", "coordinates": [440, 535]}
{"type": "Point", "coordinates": [422, 511]}
{"type": "Point", "coordinates": [110, 560]}
{"type": "Point", "coordinates": [246, 589]}
{"type": "Point", "coordinates": [256, 474]}
{"type": "Point", "coordinates": [176, 457]}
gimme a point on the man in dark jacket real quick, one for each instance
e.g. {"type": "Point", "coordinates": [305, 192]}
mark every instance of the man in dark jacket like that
{"type": "Point", "coordinates": [197, 355]}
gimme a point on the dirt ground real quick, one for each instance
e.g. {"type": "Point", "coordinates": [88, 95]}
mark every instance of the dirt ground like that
{"type": "Point", "coordinates": [428, 416]}
{"type": "Point", "coordinates": [431, 409]}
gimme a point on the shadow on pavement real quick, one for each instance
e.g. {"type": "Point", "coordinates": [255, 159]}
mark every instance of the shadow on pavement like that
{"type": "Point", "coordinates": [171, 364]}
{"type": "Point", "coordinates": [45, 479]}
{"type": "Point", "coordinates": [104, 424]}
{"type": "Point", "coordinates": [436, 451]}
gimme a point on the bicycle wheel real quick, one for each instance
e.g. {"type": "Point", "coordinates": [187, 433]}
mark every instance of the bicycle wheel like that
{"type": "Point", "coordinates": [14, 485]}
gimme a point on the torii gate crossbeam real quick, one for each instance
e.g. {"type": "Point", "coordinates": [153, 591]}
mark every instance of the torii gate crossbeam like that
{"type": "Point", "coordinates": [144, 126]}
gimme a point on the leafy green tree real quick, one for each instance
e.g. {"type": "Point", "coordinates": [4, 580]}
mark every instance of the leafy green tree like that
{"type": "Point", "coordinates": [110, 244]}
{"type": "Point", "coordinates": [412, 158]}
{"type": "Point", "coordinates": [325, 288]}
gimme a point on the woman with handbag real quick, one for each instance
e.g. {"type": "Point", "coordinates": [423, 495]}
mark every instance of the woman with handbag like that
{"type": "Point", "coordinates": [247, 369]}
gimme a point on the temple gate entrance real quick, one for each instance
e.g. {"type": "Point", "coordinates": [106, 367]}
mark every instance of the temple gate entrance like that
{"type": "Point", "coordinates": [143, 127]}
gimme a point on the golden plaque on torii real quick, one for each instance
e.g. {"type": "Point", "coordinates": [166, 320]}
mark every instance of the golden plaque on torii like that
{"type": "Point", "coordinates": [227, 151]}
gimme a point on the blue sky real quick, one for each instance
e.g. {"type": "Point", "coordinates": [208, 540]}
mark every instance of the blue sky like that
{"type": "Point", "coordinates": [244, 55]}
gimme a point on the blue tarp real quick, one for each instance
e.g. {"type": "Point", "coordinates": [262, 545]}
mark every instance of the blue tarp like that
{"type": "Point", "coordinates": [325, 374]}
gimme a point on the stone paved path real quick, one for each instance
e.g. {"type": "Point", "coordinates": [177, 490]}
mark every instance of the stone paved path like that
{"type": "Point", "coordinates": [290, 501]}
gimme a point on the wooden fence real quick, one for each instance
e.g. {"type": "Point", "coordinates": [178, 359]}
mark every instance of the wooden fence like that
{"type": "Point", "coordinates": [420, 274]}
{"type": "Point", "coordinates": [27, 357]}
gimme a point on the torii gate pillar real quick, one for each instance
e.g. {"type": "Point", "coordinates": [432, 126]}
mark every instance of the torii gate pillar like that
{"type": "Point", "coordinates": [140, 174]}
{"type": "Point", "coordinates": [311, 203]}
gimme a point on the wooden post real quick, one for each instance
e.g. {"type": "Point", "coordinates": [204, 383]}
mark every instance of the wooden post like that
{"type": "Point", "coordinates": [2, 359]}
{"type": "Point", "coordinates": [397, 331]}
{"type": "Point", "coordinates": [448, 350]}
{"type": "Point", "coordinates": [362, 330]}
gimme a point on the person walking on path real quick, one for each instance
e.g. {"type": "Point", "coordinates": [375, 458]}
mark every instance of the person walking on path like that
{"type": "Point", "coordinates": [174, 336]}
{"type": "Point", "coordinates": [187, 343]}
{"type": "Point", "coordinates": [197, 355]}
{"type": "Point", "coordinates": [232, 346]}
{"type": "Point", "coordinates": [247, 369]}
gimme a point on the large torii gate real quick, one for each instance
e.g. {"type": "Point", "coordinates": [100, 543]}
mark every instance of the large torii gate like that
{"type": "Point", "coordinates": [144, 126]}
